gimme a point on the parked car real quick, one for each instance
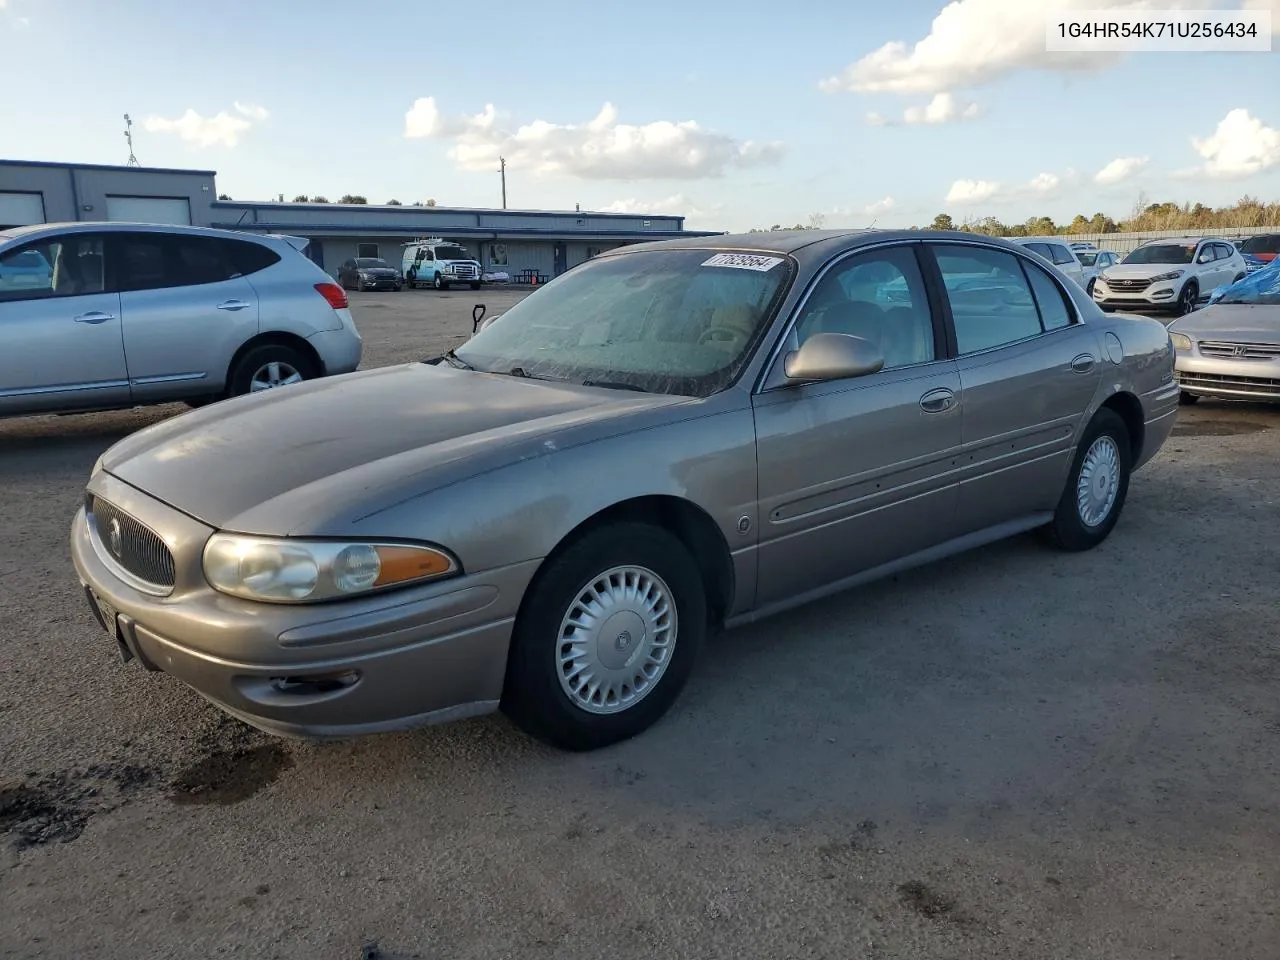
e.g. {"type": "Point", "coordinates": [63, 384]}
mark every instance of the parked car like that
{"type": "Point", "coordinates": [1085, 245]}
{"type": "Point", "coordinates": [24, 271]}
{"type": "Point", "coordinates": [1168, 275]}
{"type": "Point", "coordinates": [1231, 348]}
{"type": "Point", "coordinates": [369, 273]}
{"type": "Point", "coordinates": [1092, 263]}
{"type": "Point", "coordinates": [1262, 246]}
{"type": "Point", "coordinates": [1057, 253]}
{"type": "Point", "coordinates": [667, 439]}
{"type": "Point", "coordinates": [132, 314]}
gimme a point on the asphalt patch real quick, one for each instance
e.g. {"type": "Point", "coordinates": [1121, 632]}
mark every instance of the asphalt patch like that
{"type": "Point", "coordinates": [34, 815]}
{"type": "Point", "coordinates": [931, 903]}
{"type": "Point", "coordinates": [230, 776]}
{"type": "Point", "coordinates": [1217, 428]}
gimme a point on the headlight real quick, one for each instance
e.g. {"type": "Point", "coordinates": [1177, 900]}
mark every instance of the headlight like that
{"type": "Point", "coordinates": [1172, 275]}
{"type": "Point", "coordinates": [302, 571]}
{"type": "Point", "coordinates": [1180, 341]}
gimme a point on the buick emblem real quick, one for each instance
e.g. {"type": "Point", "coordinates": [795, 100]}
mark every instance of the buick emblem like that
{"type": "Point", "coordinates": [624, 640]}
{"type": "Point", "coordinates": [114, 540]}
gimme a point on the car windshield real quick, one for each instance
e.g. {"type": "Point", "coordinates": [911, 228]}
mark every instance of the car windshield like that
{"type": "Point", "coordinates": [1259, 289]}
{"type": "Point", "coordinates": [1086, 259]}
{"type": "Point", "coordinates": [366, 262]}
{"type": "Point", "coordinates": [452, 253]}
{"type": "Point", "coordinates": [662, 321]}
{"type": "Point", "coordinates": [1163, 253]}
{"type": "Point", "coordinates": [1269, 243]}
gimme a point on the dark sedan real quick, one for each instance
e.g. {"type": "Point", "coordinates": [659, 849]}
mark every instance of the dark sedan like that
{"type": "Point", "coordinates": [369, 273]}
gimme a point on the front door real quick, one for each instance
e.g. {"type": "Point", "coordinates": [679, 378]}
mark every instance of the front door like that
{"type": "Point", "coordinates": [561, 259]}
{"type": "Point", "coordinates": [60, 340]}
{"type": "Point", "coordinates": [856, 473]}
{"type": "Point", "coordinates": [1029, 371]}
{"type": "Point", "coordinates": [185, 311]}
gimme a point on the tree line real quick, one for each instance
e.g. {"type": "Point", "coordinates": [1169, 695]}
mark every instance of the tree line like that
{"type": "Point", "coordinates": [1145, 217]}
{"type": "Point", "coordinates": [349, 198]}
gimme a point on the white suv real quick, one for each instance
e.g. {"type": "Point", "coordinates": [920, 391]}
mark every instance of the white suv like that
{"type": "Point", "coordinates": [1169, 275]}
{"type": "Point", "coordinates": [1056, 252]}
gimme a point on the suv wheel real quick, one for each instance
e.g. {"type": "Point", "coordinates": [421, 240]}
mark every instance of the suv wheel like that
{"type": "Point", "coordinates": [267, 367]}
{"type": "Point", "coordinates": [1188, 297]}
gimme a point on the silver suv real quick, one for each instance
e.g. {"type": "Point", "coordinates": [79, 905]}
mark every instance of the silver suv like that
{"type": "Point", "coordinates": [98, 316]}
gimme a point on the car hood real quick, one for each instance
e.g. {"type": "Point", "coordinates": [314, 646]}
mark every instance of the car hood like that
{"type": "Point", "coordinates": [1233, 322]}
{"type": "Point", "coordinates": [323, 453]}
{"type": "Point", "coordinates": [1141, 271]}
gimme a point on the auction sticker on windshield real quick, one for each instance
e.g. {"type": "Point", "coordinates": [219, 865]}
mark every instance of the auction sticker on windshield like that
{"type": "Point", "coordinates": [743, 261]}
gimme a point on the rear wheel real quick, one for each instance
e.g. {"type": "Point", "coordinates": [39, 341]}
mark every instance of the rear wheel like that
{"type": "Point", "coordinates": [268, 367]}
{"type": "Point", "coordinates": [606, 637]}
{"type": "Point", "coordinates": [1096, 487]}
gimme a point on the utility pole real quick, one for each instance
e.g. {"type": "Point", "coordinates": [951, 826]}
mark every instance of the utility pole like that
{"type": "Point", "coordinates": [128, 136]}
{"type": "Point", "coordinates": [502, 169]}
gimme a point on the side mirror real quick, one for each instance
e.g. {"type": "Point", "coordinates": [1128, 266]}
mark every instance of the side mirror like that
{"type": "Point", "coordinates": [833, 356]}
{"type": "Point", "coordinates": [1204, 257]}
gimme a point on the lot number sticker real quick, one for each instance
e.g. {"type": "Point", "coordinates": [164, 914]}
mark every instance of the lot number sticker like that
{"type": "Point", "coordinates": [743, 261]}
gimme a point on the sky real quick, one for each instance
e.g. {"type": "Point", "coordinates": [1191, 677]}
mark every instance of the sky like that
{"type": "Point", "coordinates": [734, 114]}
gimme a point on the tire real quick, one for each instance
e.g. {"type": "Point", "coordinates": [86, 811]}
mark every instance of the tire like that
{"type": "Point", "coordinates": [536, 697]}
{"type": "Point", "coordinates": [359, 285]}
{"type": "Point", "coordinates": [1089, 289]}
{"type": "Point", "coordinates": [248, 367]}
{"type": "Point", "coordinates": [440, 283]}
{"type": "Point", "coordinates": [1187, 298]}
{"type": "Point", "coordinates": [1187, 399]}
{"type": "Point", "coordinates": [476, 285]}
{"type": "Point", "coordinates": [1068, 529]}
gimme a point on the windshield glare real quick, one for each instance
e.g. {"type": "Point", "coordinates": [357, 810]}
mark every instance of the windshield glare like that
{"type": "Point", "coordinates": [671, 321]}
{"type": "Point", "coordinates": [1163, 253]}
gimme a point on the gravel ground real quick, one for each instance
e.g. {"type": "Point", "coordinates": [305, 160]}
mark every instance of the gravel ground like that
{"type": "Point", "coordinates": [1015, 753]}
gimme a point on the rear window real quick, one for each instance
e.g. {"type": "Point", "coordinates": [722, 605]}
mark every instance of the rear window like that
{"type": "Point", "coordinates": [1266, 243]}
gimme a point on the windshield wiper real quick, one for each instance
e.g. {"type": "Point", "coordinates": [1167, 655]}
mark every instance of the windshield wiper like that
{"type": "Point", "coordinates": [613, 385]}
{"type": "Point", "coordinates": [456, 361]}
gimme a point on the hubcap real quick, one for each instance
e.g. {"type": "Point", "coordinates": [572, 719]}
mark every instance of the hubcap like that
{"type": "Point", "coordinates": [1098, 485]}
{"type": "Point", "coordinates": [277, 373]}
{"type": "Point", "coordinates": [616, 640]}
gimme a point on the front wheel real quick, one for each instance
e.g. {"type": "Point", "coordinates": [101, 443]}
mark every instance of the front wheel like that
{"type": "Point", "coordinates": [1096, 487]}
{"type": "Point", "coordinates": [606, 637]}
{"type": "Point", "coordinates": [1089, 289]}
{"type": "Point", "coordinates": [440, 283]}
{"type": "Point", "coordinates": [1187, 399]}
{"type": "Point", "coordinates": [475, 285]}
{"type": "Point", "coordinates": [1188, 297]}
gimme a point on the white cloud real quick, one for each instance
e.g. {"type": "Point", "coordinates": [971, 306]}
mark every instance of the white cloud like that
{"type": "Point", "coordinates": [222, 129]}
{"type": "Point", "coordinates": [252, 111]}
{"type": "Point", "coordinates": [1242, 145]}
{"type": "Point", "coordinates": [1121, 168]}
{"type": "Point", "coordinates": [879, 207]}
{"type": "Point", "coordinates": [677, 204]}
{"type": "Point", "coordinates": [943, 108]}
{"type": "Point", "coordinates": [600, 149]}
{"type": "Point", "coordinates": [977, 41]}
{"type": "Point", "coordinates": [972, 191]}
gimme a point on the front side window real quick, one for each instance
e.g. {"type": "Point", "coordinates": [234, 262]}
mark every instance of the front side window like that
{"type": "Point", "coordinates": [65, 266]}
{"type": "Point", "coordinates": [991, 301]}
{"type": "Point", "coordinates": [663, 321]}
{"type": "Point", "coordinates": [878, 296]}
{"type": "Point", "coordinates": [1163, 253]}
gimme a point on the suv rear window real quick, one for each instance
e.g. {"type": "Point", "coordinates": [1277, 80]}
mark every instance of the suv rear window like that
{"type": "Point", "coordinates": [1266, 243]}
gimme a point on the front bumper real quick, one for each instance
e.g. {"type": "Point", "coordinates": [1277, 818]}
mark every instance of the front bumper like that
{"type": "Point", "coordinates": [388, 662]}
{"type": "Point", "coordinates": [382, 283]}
{"type": "Point", "coordinates": [1220, 377]}
{"type": "Point", "coordinates": [1160, 296]}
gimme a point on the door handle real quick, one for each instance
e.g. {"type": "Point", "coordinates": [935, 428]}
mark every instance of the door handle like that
{"type": "Point", "coordinates": [1083, 363]}
{"type": "Point", "coordinates": [938, 401]}
{"type": "Point", "coordinates": [232, 305]}
{"type": "Point", "coordinates": [94, 316]}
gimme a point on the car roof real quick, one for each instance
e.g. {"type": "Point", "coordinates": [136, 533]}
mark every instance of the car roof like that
{"type": "Point", "coordinates": [1039, 240]}
{"type": "Point", "coordinates": [36, 231]}
{"type": "Point", "coordinates": [1181, 240]}
{"type": "Point", "coordinates": [806, 243]}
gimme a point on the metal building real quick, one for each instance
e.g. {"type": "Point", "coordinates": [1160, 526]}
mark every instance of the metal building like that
{"type": "Point", "coordinates": [513, 241]}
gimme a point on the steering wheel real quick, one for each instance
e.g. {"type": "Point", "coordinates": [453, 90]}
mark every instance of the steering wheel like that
{"type": "Point", "coordinates": [713, 334]}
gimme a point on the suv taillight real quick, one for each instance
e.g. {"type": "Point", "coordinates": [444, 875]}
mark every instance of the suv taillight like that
{"type": "Point", "coordinates": [336, 296]}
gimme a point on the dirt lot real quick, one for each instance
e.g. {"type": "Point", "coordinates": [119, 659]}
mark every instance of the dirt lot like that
{"type": "Point", "coordinates": [1011, 754]}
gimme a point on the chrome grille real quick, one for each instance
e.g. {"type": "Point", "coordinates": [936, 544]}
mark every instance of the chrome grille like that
{"type": "Point", "coordinates": [1127, 286]}
{"type": "Point", "coordinates": [1239, 351]}
{"type": "Point", "coordinates": [465, 270]}
{"type": "Point", "coordinates": [1255, 386]}
{"type": "Point", "coordinates": [131, 545]}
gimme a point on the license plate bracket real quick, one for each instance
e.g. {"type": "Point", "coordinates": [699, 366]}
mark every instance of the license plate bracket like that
{"type": "Point", "coordinates": [109, 619]}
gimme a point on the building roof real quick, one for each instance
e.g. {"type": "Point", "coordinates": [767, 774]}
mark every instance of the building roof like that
{"type": "Point", "coordinates": [272, 205]}
{"type": "Point", "coordinates": [104, 166]}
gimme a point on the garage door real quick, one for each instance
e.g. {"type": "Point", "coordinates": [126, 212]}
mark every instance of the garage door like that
{"type": "Point", "coordinates": [20, 209]}
{"type": "Point", "coordinates": [149, 210]}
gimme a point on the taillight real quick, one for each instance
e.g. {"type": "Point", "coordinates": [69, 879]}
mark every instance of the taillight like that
{"type": "Point", "coordinates": [336, 296]}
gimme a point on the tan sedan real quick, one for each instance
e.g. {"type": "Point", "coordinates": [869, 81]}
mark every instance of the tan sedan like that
{"type": "Point", "coordinates": [669, 439]}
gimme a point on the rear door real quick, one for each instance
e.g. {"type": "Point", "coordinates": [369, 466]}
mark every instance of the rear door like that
{"type": "Point", "coordinates": [186, 309]}
{"type": "Point", "coordinates": [60, 335]}
{"type": "Point", "coordinates": [855, 473]}
{"type": "Point", "coordinates": [1028, 370]}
